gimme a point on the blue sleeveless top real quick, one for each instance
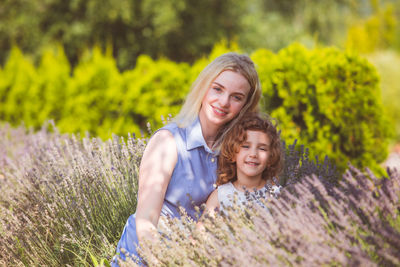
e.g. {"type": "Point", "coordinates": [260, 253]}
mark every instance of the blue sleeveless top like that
{"type": "Point", "coordinates": [192, 180]}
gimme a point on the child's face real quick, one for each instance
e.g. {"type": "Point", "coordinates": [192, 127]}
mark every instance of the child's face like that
{"type": "Point", "coordinates": [252, 158]}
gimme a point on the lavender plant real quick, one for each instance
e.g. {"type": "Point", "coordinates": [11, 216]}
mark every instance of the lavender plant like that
{"type": "Point", "coordinates": [63, 197]}
{"type": "Point", "coordinates": [298, 165]}
{"type": "Point", "coordinates": [357, 226]}
{"type": "Point", "coordinates": [64, 200]}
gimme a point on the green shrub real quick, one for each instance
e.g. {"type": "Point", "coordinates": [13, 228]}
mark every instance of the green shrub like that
{"type": "Point", "coordinates": [92, 96]}
{"type": "Point", "coordinates": [17, 79]}
{"type": "Point", "coordinates": [387, 64]}
{"type": "Point", "coordinates": [97, 98]}
{"type": "Point", "coordinates": [329, 100]}
{"type": "Point", "coordinates": [153, 89]}
{"type": "Point", "coordinates": [33, 95]}
{"type": "Point", "coordinates": [376, 32]}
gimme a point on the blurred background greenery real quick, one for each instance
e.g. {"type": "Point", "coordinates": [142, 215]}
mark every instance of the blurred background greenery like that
{"type": "Point", "coordinates": [61, 59]}
{"type": "Point", "coordinates": [184, 30]}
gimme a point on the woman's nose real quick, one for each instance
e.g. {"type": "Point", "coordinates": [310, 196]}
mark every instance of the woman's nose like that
{"type": "Point", "coordinates": [224, 100]}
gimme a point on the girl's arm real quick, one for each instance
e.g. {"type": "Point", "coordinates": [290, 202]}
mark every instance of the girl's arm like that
{"type": "Point", "coordinates": [155, 171]}
{"type": "Point", "coordinates": [212, 205]}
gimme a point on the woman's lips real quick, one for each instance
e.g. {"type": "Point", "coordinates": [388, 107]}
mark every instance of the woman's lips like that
{"type": "Point", "coordinates": [219, 112]}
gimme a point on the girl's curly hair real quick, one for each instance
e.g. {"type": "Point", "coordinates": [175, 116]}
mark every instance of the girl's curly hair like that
{"type": "Point", "coordinates": [237, 136]}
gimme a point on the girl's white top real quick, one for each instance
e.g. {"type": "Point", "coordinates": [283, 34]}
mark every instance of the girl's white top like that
{"type": "Point", "coordinates": [228, 195]}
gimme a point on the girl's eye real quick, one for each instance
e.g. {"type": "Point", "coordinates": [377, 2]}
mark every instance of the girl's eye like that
{"type": "Point", "coordinates": [245, 146]}
{"type": "Point", "coordinates": [263, 149]}
{"type": "Point", "coordinates": [218, 89]}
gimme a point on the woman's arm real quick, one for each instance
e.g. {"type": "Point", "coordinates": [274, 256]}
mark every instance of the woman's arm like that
{"type": "Point", "coordinates": [155, 171]}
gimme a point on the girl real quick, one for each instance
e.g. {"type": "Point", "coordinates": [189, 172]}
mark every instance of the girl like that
{"type": "Point", "coordinates": [251, 155]}
{"type": "Point", "coordinates": [180, 158]}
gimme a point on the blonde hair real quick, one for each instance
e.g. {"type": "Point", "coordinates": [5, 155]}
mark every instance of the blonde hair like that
{"type": "Point", "coordinates": [230, 61]}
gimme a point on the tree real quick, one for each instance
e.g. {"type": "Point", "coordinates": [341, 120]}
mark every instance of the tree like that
{"type": "Point", "coordinates": [181, 30]}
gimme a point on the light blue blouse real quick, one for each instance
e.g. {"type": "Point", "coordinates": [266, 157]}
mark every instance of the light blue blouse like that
{"type": "Point", "coordinates": [192, 180]}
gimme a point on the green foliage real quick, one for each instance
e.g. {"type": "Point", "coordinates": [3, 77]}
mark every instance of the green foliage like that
{"type": "Point", "coordinates": [17, 78]}
{"type": "Point", "coordinates": [378, 31]}
{"type": "Point", "coordinates": [178, 29]}
{"type": "Point", "coordinates": [327, 99]}
{"type": "Point", "coordinates": [97, 98]}
{"type": "Point", "coordinates": [154, 89]}
{"type": "Point", "coordinates": [186, 30]}
{"type": "Point", "coordinates": [276, 24]}
{"type": "Point", "coordinates": [92, 95]}
{"type": "Point", "coordinates": [387, 64]}
{"type": "Point", "coordinates": [30, 94]}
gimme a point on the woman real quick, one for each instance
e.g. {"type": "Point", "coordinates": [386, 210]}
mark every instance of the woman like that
{"type": "Point", "coordinates": [178, 167]}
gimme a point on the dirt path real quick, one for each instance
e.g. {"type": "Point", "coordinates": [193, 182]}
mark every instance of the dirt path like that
{"type": "Point", "coordinates": [393, 160]}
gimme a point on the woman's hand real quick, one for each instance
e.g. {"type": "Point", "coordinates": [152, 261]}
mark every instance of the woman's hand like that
{"type": "Point", "coordinates": [158, 163]}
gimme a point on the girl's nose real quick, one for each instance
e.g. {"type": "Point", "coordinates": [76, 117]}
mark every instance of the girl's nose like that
{"type": "Point", "coordinates": [253, 153]}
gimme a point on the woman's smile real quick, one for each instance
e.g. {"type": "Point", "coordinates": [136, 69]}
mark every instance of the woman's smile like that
{"type": "Point", "coordinates": [219, 112]}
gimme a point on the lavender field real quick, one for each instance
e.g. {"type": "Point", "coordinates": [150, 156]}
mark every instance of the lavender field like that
{"type": "Point", "coordinates": [64, 201]}
{"type": "Point", "coordinates": [77, 76]}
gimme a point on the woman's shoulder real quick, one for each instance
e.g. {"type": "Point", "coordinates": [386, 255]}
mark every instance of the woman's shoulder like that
{"type": "Point", "coordinates": [164, 133]}
{"type": "Point", "coordinates": [171, 127]}
{"type": "Point", "coordinates": [162, 141]}
{"type": "Point", "coordinates": [167, 140]}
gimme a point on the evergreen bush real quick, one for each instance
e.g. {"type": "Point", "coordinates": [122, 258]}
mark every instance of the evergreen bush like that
{"type": "Point", "coordinates": [151, 90]}
{"type": "Point", "coordinates": [96, 98]}
{"type": "Point", "coordinates": [327, 99]}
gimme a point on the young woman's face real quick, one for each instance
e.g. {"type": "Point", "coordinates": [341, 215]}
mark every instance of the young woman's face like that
{"type": "Point", "coordinates": [252, 158]}
{"type": "Point", "coordinates": [225, 98]}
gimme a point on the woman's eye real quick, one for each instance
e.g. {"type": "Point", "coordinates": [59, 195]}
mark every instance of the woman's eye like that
{"type": "Point", "coordinates": [238, 98]}
{"type": "Point", "coordinates": [245, 146]}
{"type": "Point", "coordinates": [218, 89]}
